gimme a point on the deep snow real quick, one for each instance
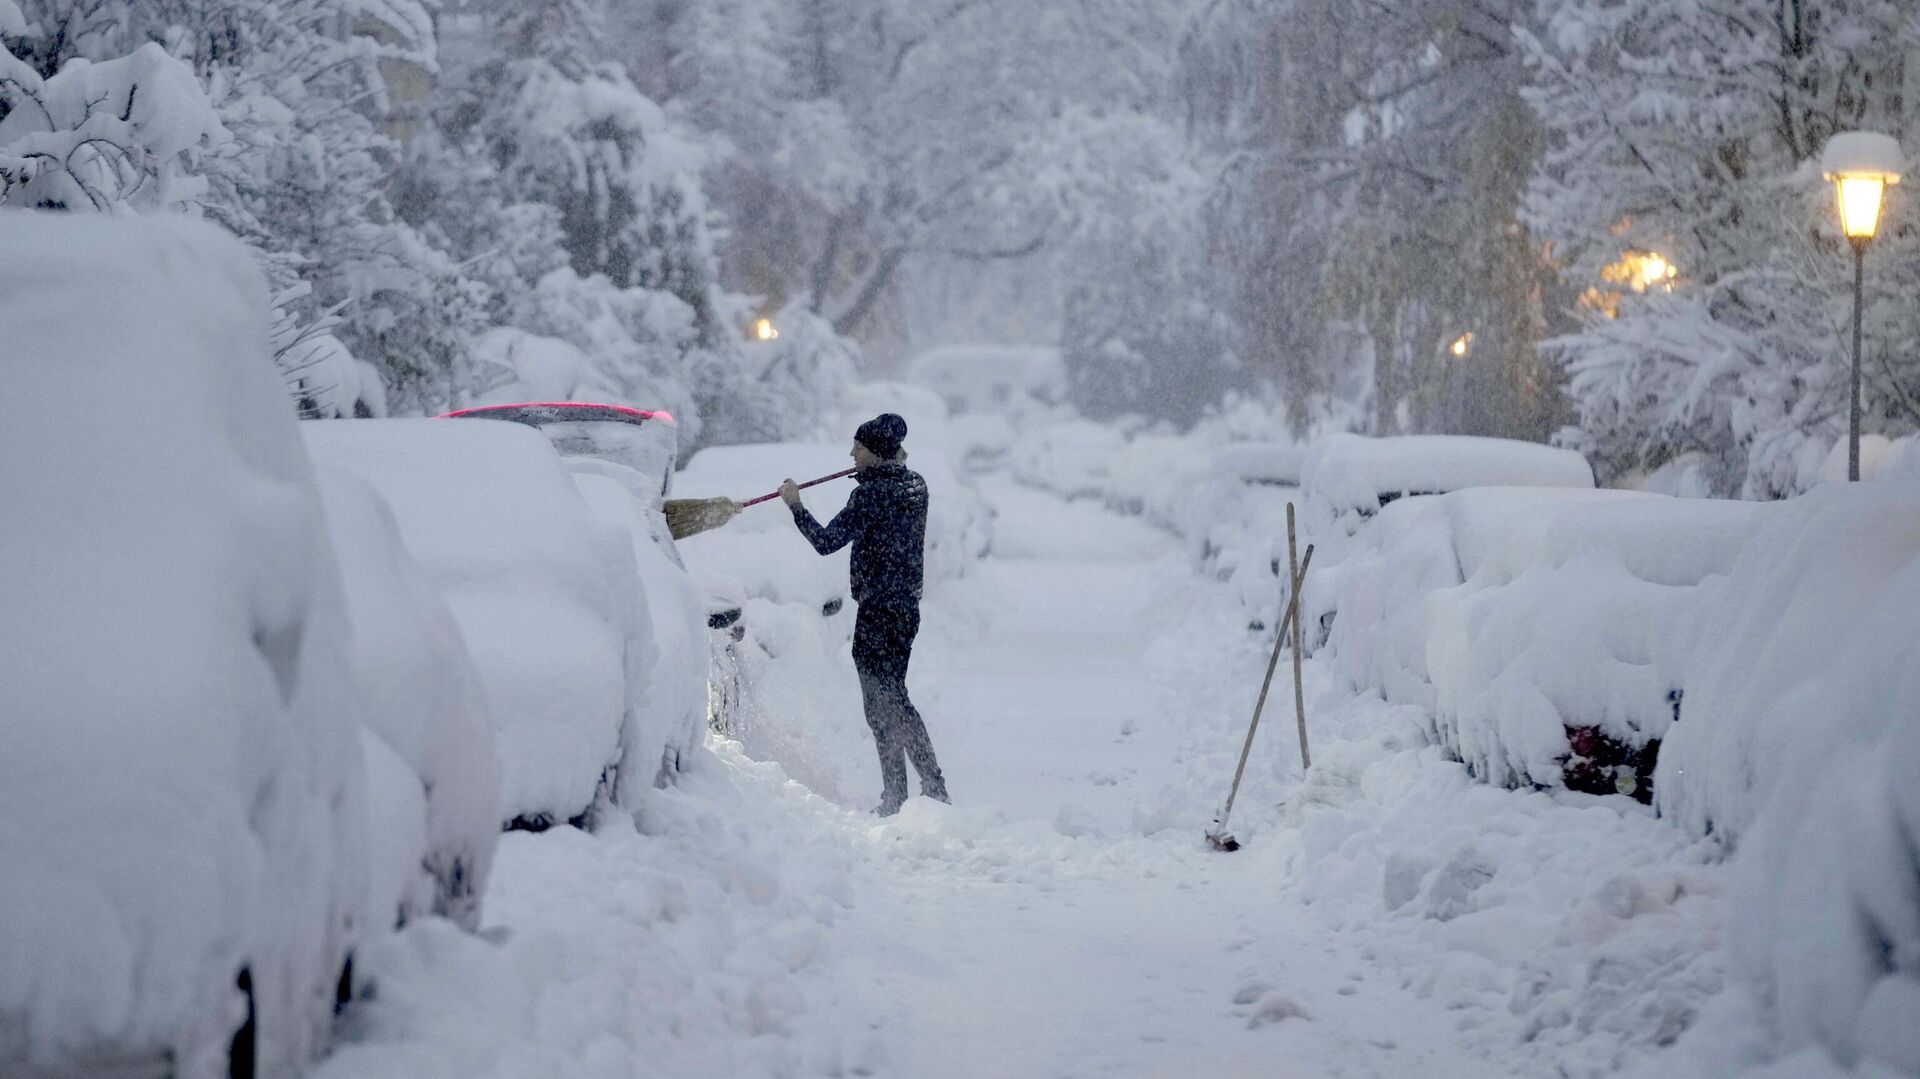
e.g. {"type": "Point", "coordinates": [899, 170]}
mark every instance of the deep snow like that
{"type": "Point", "coordinates": [1086, 694]}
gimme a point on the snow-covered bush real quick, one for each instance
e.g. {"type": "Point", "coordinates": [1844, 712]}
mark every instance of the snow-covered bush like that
{"type": "Point", "coordinates": [494, 518]}
{"type": "Point", "coordinates": [119, 134]}
{"type": "Point", "coordinates": [1797, 742]}
{"type": "Point", "coordinates": [182, 832]}
{"type": "Point", "coordinates": [1734, 343]}
{"type": "Point", "coordinates": [421, 698]}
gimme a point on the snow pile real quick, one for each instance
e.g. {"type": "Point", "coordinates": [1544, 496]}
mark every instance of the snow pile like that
{"type": "Point", "coordinates": [420, 697]}
{"type": "Point", "coordinates": [1880, 458]}
{"type": "Point", "coordinates": [1544, 933]}
{"type": "Point", "coordinates": [1524, 622]}
{"type": "Point", "coordinates": [1347, 478]}
{"type": "Point", "coordinates": [705, 947]}
{"type": "Point", "coordinates": [488, 510]}
{"type": "Point", "coordinates": [180, 785]}
{"type": "Point", "coordinates": [1797, 742]}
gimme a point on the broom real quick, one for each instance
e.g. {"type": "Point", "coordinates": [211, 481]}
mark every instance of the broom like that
{"type": "Point", "coordinates": [692, 516]}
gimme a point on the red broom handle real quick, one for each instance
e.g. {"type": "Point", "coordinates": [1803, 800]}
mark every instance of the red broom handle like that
{"type": "Point", "coordinates": [810, 483]}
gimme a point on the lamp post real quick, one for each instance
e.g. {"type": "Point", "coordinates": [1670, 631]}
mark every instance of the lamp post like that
{"type": "Point", "coordinates": [1861, 164]}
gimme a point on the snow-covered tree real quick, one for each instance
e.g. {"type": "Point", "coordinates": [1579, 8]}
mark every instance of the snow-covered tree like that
{"type": "Point", "coordinates": [1369, 211]}
{"type": "Point", "coordinates": [1682, 189]}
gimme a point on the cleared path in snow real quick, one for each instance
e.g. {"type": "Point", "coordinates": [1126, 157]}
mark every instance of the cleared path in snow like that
{"type": "Point", "coordinates": [989, 943]}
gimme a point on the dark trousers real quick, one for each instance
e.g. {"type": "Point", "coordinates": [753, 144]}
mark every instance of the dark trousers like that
{"type": "Point", "coordinates": [882, 648]}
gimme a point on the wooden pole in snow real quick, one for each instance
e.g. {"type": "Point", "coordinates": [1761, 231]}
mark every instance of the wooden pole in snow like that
{"type": "Point", "coordinates": [1295, 579]}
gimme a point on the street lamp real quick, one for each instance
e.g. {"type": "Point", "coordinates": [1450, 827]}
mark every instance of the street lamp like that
{"type": "Point", "coordinates": [1861, 165]}
{"type": "Point", "coordinates": [763, 330]}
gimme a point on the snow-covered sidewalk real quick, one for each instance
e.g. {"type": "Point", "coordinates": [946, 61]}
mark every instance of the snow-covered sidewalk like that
{"type": "Point", "coordinates": [1086, 695]}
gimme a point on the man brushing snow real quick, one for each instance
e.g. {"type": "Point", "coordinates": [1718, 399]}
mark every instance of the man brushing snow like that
{"type": "Point", "coordinates": [886, 521]}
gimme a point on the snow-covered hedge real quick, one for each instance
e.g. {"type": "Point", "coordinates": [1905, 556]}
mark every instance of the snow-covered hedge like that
{"type": "Point", "coordinates": [1799, 742]}
{"type": "Point", "coordinates": [180, 778]}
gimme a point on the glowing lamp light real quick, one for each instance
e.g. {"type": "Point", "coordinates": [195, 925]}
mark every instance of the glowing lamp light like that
{"type": "Point", "coordinates": [763, 330]}
{"type": "Point", "coordinates": [1462, 345]}
{"type": "Point", "coordinates": [1655, 270]}
{"type": "Point", "coordinates": [1861, 164]}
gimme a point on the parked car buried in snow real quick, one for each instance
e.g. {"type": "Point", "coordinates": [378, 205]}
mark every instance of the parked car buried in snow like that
{"type": "Point", "coordinates": [183, 836]}
{"type": "Point", "coordinates": [499, 526]}
{"type": "Point", "coordinates": [623, 460]}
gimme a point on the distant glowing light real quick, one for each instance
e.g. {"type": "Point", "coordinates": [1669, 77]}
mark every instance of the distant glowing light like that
{"type": "Point", "coordinates": [1462, 345]}
{"type": "Point", "coordinates": [763, 330]}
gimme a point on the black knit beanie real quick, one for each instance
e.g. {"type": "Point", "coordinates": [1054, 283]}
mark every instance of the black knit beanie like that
{"type": "Point", "coordinates": [883, 435]}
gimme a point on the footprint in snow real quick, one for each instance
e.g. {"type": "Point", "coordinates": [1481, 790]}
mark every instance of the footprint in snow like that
{"type": "Point", "coordinates": [1275, 1008]}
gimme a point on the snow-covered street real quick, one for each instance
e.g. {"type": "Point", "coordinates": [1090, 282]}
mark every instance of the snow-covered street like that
{"type": "Point", "coordinates": [1063, 918]}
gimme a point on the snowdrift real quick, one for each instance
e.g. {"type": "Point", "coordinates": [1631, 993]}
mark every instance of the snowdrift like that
{"type": "Point", "coordinates": [180, 777]}
{"type": "Point", "coordinates": [1799, 743]}
{"type": "Point", "coordinates": [1748, 666]}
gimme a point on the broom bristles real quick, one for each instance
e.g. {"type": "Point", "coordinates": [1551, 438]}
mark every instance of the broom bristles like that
{"type": "Point", "coordinates": [692, 516]}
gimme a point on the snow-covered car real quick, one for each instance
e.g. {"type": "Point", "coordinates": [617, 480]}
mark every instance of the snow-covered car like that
{"type": "Point", "coordinates": [1346, 478]}
{"type": "Point", "coordinates": [1073, 458]}
{"type": "Point", "coordinates": [183, 865]}
{"type": "Point", "coordinates": [495, 519]}
{"type": "Point", "coordinates": [622, 459]}
{"type": "Point", "coordinates": [992, 378]}
{"type": "Point", "coordinates": [1237, 522]}
{"type": "Point", "coordinates": [433, 780]}
{"type": "Point", "coordinates": [1523, 621]}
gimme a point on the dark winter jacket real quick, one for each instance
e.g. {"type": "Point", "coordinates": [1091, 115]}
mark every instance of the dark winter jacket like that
{"type": "Point", "coordinates": [886, 521]}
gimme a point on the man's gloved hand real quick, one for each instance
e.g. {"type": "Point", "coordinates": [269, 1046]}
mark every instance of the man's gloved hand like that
{"type": "Point", "coordinates": [789, 493]}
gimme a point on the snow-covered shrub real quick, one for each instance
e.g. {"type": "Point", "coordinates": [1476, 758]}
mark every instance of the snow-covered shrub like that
{"type": "Point", "coordinates": [180, 781]}
{"type": "Point", "coordinates": [1734, 345]}
{"type": "Point", "coordinates": [420, 695]}
{"type": "Point", "coordinates": [1797, 742]}
{"type": "Point", "coordinates": [119, 134]}
{"type": "Point", "coordinates": [490, 513]}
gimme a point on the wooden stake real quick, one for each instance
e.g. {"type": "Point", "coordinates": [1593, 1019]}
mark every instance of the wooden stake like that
{"type": "Point", "coordinates": [1279, 641]}
{"type": "Point", "coordinates": [1297, 574]}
